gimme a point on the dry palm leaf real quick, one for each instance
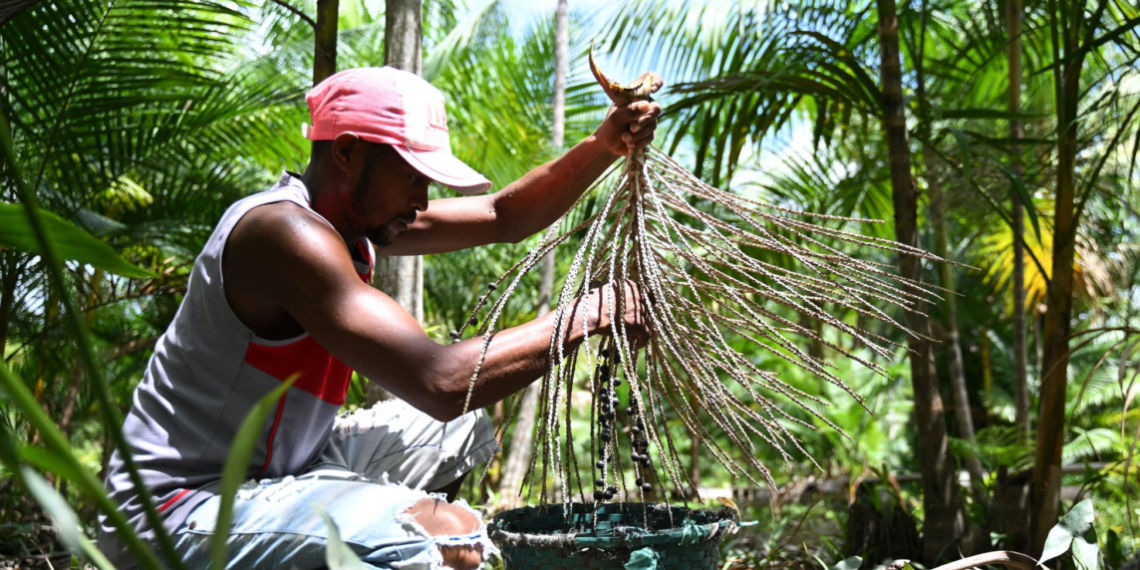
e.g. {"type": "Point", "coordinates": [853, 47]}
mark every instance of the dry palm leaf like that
{"type": "Point", "coordinates": [704, 289]}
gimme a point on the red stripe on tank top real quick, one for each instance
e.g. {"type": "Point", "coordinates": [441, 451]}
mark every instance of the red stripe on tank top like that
{"type": "Point", "coordinates": [272, 434]}
{"type": "Point", "coordinates": [319, 373]}
{"type": "Point", "coordinates": [172, 500]}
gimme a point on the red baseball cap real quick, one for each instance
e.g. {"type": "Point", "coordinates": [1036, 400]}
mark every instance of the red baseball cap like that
{"type": "Point", "coordinates": [388, 106]}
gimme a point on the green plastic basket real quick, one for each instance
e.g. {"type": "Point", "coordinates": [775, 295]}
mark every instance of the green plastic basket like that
{"type": "Point", "coordinates": [645, 536]}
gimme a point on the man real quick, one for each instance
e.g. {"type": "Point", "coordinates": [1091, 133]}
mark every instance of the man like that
{"type": "Point", "coordinates": [281, 290]}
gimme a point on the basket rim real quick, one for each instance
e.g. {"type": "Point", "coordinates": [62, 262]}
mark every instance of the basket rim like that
{"type": "Point", "coordinates": [631, 538]}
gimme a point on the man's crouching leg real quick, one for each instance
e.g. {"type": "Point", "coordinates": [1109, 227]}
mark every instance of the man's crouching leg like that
{"type": "Point", "coordinates": [448, 522]}
{"type": "Point", "coordinates": [276, 524]}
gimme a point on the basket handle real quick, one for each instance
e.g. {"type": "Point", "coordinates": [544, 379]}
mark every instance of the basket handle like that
{"type": "Point", "coordinates": [519, 539]}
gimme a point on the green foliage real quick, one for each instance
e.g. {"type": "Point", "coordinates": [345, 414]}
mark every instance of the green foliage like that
{"type": "Point", "coordinates": [62, 461]}
{"type": "Point", "coordinates": [135, 138]}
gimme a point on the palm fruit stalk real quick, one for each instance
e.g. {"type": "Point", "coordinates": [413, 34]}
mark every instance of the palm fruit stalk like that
{"type": "Point", "coordinates": [706, 287]}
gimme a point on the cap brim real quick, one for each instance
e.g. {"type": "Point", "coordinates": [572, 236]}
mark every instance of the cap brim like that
{"type": "Point", "coordinates": [442, 166]}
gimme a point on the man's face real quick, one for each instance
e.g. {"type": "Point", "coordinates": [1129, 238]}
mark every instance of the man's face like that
{"type": "Point", "coordinates": [387, 197]}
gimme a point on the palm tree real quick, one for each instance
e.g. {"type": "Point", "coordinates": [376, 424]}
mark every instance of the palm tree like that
{"type": "Point", "coordinates": [1105, 38]}
{"type": "Point", "coordinates": [1017, 215]}
{"type": "Point", "coordinates": [944, 520]}
{"type": "Point", "coordinates": [126, 146]}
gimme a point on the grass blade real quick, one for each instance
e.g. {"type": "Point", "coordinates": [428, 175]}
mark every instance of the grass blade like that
{"type": "Point", "coordinates": [338, 555]}
{"type": "Point", "coordinates": [237, 468]}
{"type": "Point", "coordinates": [65, 519]}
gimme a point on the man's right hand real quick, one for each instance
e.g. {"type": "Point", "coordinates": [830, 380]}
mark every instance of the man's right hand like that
{"type": "Point", "coordinates": [601, 300]}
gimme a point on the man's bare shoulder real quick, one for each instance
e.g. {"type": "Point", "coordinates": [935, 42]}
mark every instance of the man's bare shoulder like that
{"type": "Point", "coordinates": [283, 240]}
{"type": "Point", "coordinates": [283, 227]}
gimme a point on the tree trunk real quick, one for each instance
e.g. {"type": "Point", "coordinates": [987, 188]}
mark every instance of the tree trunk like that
{"type": "Point", "coordinates": [949, 325]}
{"type": "Point", "coordinates": [944, 521]}
{"type": "Point", "coordinates": [515, 468]}
{"type": "Point", "coordinates": [324, 52]}
{"type": "Point", "coordinates": [402, 277]}
{"type": "Point", "coordinates": [1016, 132]}
{"type": "Point", "coordinates": [1012, 494]}
{"type": "Point", "coordinates": [1046, 487]}
{"type": "Point", "coordinates": [404, 35]}
{"type": "Point", "coordinates": [950, 337]}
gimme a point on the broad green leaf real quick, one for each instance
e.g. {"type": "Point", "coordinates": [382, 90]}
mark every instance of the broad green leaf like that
{"type": "Point", "coordinates": [1075, 530]}
{"type": "Point", "coordinates": [236, 469]}
{"type": "Point", "coordinates": [338, 555]}
{"type": "Point", "coordinates": [70, 241]}
{"type": "Point", "coordinates": [49, 462]}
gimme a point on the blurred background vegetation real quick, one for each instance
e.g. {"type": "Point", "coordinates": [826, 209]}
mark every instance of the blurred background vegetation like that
{"type": "Point", "coordinates": [140, 122]}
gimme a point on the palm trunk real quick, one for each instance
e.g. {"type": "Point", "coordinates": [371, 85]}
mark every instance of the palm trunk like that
{"type": "Point", "coordinates": [1012, 493]}
{"type": "Point", "coordinates": [950, 336]}
{"type": "Point", "coordinates": [949, 325]}
{"type": "Point", "coordinates": [1016, 132]}
{"type": "Point", "coordinates": [515, 467]}
{"type": "Point", "coordinates": [402, 277]}
{"type": "Point", "coordinates": [324, 49]}
{"type": "Point", "coordinates": [1046, 489]}
{"type": "Point", "coordinates": [944, 521]}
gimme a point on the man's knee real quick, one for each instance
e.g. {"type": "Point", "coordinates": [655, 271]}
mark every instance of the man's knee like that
{"type": "Point", "coordinates": [439, 518]}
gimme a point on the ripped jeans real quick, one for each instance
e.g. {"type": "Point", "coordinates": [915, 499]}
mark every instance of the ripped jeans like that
{"type": "Point", "coordinates": [379, 463]}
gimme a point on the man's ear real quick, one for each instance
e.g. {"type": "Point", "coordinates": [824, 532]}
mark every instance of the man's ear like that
{"type": "Point", "coordinates": [347, 150]}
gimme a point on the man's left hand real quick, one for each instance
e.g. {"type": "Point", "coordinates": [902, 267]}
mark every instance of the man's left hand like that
{"type": "Point", "coordinates": [631, 127]}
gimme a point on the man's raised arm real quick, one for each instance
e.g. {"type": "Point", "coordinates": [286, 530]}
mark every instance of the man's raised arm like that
{"type": "Point", "coordinates": [536, 200]}
{"type": "Point", "coordinates": [302, 265]}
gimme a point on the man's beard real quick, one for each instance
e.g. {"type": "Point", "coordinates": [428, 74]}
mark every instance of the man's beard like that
{"type": "Point", "coordinates": [378, 235]}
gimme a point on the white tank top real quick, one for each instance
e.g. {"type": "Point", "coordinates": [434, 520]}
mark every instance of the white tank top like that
{"type": "Point", "coordinates": [207, 372]}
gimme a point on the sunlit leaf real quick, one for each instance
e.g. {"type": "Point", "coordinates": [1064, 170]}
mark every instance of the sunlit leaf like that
{"type": "Point", "coordinates": [1076, 530]}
